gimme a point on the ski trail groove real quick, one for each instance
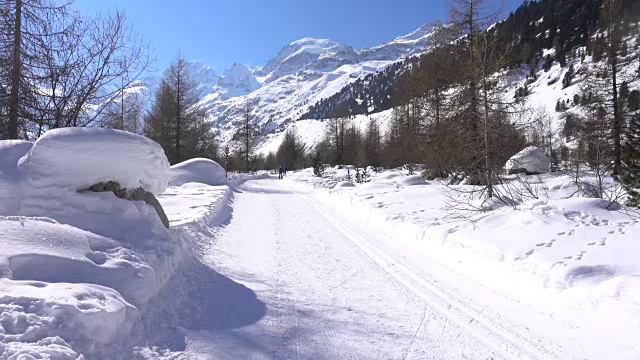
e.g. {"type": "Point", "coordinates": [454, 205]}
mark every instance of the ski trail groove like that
{"type": "Point", "coordinates": [500, 340]}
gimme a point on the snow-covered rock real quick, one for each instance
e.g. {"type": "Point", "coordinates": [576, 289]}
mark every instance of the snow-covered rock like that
{"type": "Point", "coordinates": [198, 170]}
{"type": "Point", "coordinates": [530, 160]}
{"type": "Point", "coordinates": [80, 157]}
{"type": "Point", "coordinates": [411, 180]}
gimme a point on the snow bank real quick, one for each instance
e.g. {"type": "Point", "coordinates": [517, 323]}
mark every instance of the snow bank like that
{"type": "Point", "coordinates": [531, 159]}
{"type": "Point", "coordinates": [80, 157]}
{"type": "Point", "coordinates": [412, 181]}
{"type": "Point", "coordinates": [81, 272]}
{"type": "Point", "coordinates": [198, 170]}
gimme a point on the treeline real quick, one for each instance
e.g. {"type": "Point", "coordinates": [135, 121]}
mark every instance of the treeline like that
{"type": "Point", "coordinates": [61, 69]}
{"type": "Point", "coordinates": [561, 25]}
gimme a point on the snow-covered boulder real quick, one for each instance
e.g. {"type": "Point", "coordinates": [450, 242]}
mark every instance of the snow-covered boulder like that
{"type": "Point", "coordinates": [411, 180]}
{"type": "Point", "coordinates": [198, 170]}
{"type": "Point", "coordinates": [137, 194]}
{"type": "Point", "coordinates": [530, 160]}
{"type": "Point", "coordinates": [78, 158]}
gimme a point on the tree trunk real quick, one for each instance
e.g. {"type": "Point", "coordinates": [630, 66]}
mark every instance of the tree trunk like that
{"type": "Point", "coordinates": [16, 73]}
{"type": "Point", "coordinates": [178, 120]}
{"type": "Point", "coordinates": [617, 121]}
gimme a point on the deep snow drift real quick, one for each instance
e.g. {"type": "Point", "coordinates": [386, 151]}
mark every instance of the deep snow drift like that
{"type": "Point", "coordinates": [79, 270]}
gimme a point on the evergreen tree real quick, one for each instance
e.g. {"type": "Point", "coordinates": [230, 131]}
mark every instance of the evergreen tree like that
{"type": "Point", "coordinates": [317, 162]}
{"type": "Point", "coordinates": [568, 77]}
{"type": "Point", "coordinates": [548, 62]}
{"type": "Point", "coordinates": [631, 163]}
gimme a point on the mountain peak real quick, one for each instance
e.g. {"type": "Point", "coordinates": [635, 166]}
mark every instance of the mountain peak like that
{"type": "Point", "coordinates": [425, 30]}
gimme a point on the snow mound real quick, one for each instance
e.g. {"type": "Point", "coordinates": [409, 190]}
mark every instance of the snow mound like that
{"type": "Point", "coordinates": [411, 180]}
{"type": "Point", "coordinates": [94, 318]}
{"type": "Point", "coordinates": [198, 170]}
{"type": "Point", "coordinates": [531, 160]}
{"type": "Point", "coordinates": [344, 184]}
{"type": "Point", "coordinates": [80, 157]}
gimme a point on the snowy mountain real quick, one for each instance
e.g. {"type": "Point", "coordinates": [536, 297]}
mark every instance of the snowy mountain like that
{"type": "Point", "coordinates": [302, 73]}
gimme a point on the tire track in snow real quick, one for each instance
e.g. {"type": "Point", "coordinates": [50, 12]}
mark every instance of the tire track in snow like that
{"type": "Point", "coordinates": [503, 341]}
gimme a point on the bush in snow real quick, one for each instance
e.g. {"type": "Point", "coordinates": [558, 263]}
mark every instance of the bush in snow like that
{"type": "Point", "coordinates": [362, 176]}
{"type": "Point", "coordinates": [411, 168]}
{"type": "Point", "coordinates": [348, 178]}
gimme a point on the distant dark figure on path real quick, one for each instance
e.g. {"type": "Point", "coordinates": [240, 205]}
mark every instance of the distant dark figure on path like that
{"type": "Point", "coordinates": [280, 172]}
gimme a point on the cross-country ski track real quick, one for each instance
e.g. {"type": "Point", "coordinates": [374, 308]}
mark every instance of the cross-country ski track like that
{"type": "Point", "coordinates": [337, 287]}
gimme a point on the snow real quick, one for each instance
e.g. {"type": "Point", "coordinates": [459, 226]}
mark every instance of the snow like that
{"type": "Point", "coordinates": [198, 170]}
{"type": "Point", "coordinates": [301, 74]}
{"type": "Point", "coordinates": [305, 267]}
{"type": "Point", "coordinates": [531, 159]}
{"type": "Point", "coordinates": [570, 258]}
{"type": "Point", "coordinates": [80, 157]}
{"type": "Point", "coordinates": [86, 273]}
{"type": "Point", "coordinates": [411, 180]}
{"type": "Point", "coordinates": [344, 184]}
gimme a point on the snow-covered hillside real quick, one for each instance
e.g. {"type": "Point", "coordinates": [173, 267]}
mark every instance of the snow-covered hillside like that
{"type": "Point", "coordinates": [302, 73]}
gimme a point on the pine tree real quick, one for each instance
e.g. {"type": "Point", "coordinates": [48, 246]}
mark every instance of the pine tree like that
{"type": "Point", "coordinates": [358, 176]}
{"type": "Point", "coordinates": [631, 163]}
{"type": "Point", "coordinates": [348, 178]}
{"type": "Point", "coordinates": [317, 162]}
{"type": "Point", "coordinates": [568, 77]}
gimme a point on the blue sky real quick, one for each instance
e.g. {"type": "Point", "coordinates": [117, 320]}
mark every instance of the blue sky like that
{"type": "Point", "coordinates": [221, 32]}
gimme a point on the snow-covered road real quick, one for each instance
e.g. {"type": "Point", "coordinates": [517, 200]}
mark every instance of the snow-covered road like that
{"type": "Point", "coordinates": [336, 288]}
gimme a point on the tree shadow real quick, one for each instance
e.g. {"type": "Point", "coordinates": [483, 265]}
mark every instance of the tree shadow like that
{"type": "Point", "coordinates": [198, 298]}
